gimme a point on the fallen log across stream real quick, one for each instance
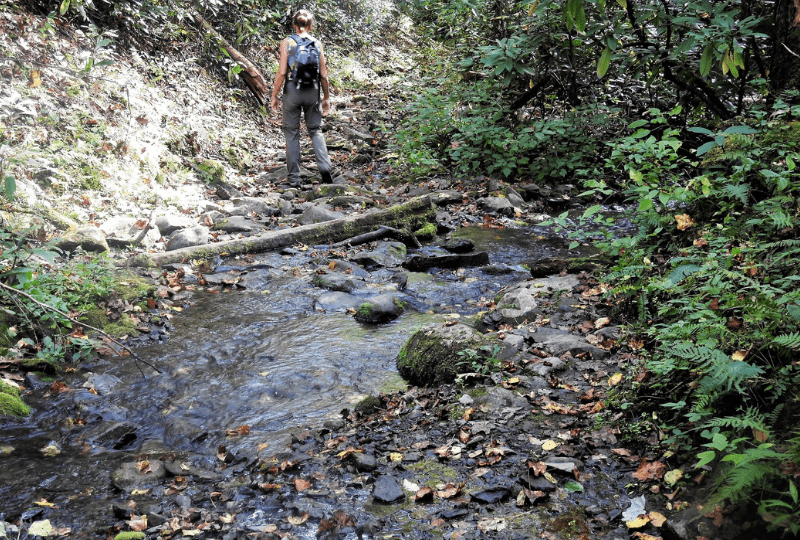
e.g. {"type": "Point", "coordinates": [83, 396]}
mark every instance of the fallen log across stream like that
{"type": "Point", "coordinates": [410, 215]}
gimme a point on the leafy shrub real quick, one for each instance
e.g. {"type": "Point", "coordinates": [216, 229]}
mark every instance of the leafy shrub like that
{"type": "Point", "coordinates": [710, 276]}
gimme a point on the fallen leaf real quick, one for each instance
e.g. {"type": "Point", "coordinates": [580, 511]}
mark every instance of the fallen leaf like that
{"type": "Point", "coordinates": [424, 495]}
{"type": "Point", "coordinates": [395, 457]}
{"type": "Point", "coordinates": [266, 486]}
{"type": "Point", "coordinates": [643, 536]}
{"type": "Point", "coordinates": [738, 356]}
{"type": "Point", "coordinates": [298, 520]}
{"type": "Point", "coordinates": [527, 496]}
{"type": "Point", "coordinates": [449, 491]}
{"type": "Point", "coordinates": [538, 467]}
{"type": "Point", "coordinates": [648, 471]}
{"type": "Point", "coordinates": [227, 518]}
{"type": "Point", "coordinates": [301, 485]}
{"type": "Point", "coordinates": [601, 322]}
{"type": "Point", "coordinates": [621, 452]}
{"type": "Point", "coordinates": [468, 413]}
{"type": "Point", "coordinates": [549, 445]}
{"type": "Point", "coordinates": [657, 518]}
{"type": "Point", "coordinates": [615, 379]}
{"type": "Point", "coordinates": [760, 436]}
{"type": "Point", "coordinates": [43, 502]}
{"type": "Point", "coordinates": [684, 221]}
{"type": "Point", "coordinates": [673, 476]}
{"type": "Point", "coordinates": [40, 528]}
{"type": "Point", "coordinates": [36, 78]}
{"type": "Point", "coordinates": [637, 523]}
{"type": "Point", "coordinates": [137, 523]}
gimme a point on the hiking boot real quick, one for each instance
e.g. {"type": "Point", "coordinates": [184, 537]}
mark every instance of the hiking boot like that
{"type": "Point", "coordinates": [326, 177]}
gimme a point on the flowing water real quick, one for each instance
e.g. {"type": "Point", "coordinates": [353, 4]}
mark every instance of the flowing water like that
{"type": "Point", "coordinates": [263, 357]}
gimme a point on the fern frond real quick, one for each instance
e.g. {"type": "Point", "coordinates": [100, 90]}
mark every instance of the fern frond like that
{"type": "Point", "coordinates": [788, 341]}
{"type": "Point", "coordinates": [679, 274]}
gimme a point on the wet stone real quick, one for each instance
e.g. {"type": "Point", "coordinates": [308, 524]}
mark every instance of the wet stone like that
{"type": "Point", "coordinates": [387, 490]}
{"type": "Point", "coordinates": [364, 462]}
{"type": "Point", "coordinates": [459, 245]}
{"type": "Point", "coordinates": [491, 495]}
{"type": "Point", "coordinates": [129, 475]}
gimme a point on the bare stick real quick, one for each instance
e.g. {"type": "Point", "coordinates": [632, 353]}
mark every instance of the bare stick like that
{"type": "Point", "coordinates": [135, 356]}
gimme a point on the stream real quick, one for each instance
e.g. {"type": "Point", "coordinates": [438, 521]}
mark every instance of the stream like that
{"type": "Point", "coordinates": [262, 357]}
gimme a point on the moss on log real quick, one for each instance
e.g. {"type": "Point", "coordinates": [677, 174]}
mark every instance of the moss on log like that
{"type": "Point", "coordinates": [410, 216]}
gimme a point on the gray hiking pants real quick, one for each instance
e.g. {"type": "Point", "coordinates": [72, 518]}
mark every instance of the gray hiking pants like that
{"type": "Point", "coordinates": [305, 100]}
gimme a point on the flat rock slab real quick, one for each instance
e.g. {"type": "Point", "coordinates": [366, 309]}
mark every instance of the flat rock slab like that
{"type": "Point", "coordinates": [130, 476]}
{"type": "Point", "coordinates": [423, 263]}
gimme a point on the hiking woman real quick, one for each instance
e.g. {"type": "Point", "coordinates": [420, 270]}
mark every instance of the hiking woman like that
{"type": "Point", "coordinates": [299, 95]}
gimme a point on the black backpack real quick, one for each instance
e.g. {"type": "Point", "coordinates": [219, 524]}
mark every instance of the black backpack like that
{"type": "Point", "coordinates": [304, 63]}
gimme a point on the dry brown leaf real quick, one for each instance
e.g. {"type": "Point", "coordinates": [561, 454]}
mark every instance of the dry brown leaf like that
{"type": "Point", "coordinates": [301, 485]}
{"type": "Point", "coordinates": [538, 467]}
{"type": "Point", "coordinates": [424, 495]}
{"type": "Point", "coordinates": [137, 523]}
{"type": "Point", "coordinates": [650, 471]}
{"type": "Point", "coordinates": [657, 518]}
{"type": "Point", "coordinates": [449, 491]}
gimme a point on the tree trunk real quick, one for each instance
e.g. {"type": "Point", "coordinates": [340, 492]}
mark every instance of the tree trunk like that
{"type": "Point", "coordinates": [409, 215]}
{"type": "Point", "coordinates": [251, 75]}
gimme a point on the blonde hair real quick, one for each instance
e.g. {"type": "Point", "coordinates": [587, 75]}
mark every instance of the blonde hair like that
{"type": "Point", "coordinates": [303, 19]}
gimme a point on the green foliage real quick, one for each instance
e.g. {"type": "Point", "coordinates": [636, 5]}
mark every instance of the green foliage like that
{"type": "Point", "coordinates": [482, 360]}
{"type": "Point", "coordinates": [471, 133]}
{"type": "Point", "coordinates": [709, 274]}
{"type": "Point", "coordinates": [30, 328]}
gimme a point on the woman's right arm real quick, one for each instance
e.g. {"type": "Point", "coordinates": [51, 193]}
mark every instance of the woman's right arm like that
{"type": "Point", "coordinates": [280, 77]}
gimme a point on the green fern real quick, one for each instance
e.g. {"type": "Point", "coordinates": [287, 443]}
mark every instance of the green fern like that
{"type": "Point", "coordinates": [788, 341]}
{"type": "Point", "coordinates": [749, 469]}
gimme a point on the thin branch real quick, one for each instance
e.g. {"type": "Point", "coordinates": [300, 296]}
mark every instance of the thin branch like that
{"type": "Point", "coordinates": [135, 356]}
{"type": "Point", "coordinates": [790, 50]}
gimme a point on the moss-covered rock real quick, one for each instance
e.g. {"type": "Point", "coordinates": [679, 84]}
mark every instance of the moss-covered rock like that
{"type": "Point", "coordinates": [426, 232]}
{"type": "Point", "coordinates": [130, 535]}
{"type": "Point", "coordinates": [10, 402]}
{"type": "Point", "coordinates": [212, 170]}
{"type": "Point", "coordinates": [430, 356]}
{"type": "Point", "coordinates": [369, 404]}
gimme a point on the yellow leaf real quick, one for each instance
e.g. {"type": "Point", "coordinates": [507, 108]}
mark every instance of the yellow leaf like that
{"type": "Point", "coordinates": [615, 379]}
{"type": "Point", "coordinates": [673, 476]}
{"type": "Point", "coordinates": [549, 445]}
{"type": "Point", "coordinates": [550, 478]}
{"type": "Point", "coordinates": [638, 522]}
{"type": "Point", "coordinates": [36, 78]}
{"type": "Point", "coordinates": [396, 456]}
{"type": "Point", "coordinates": [684, 221]}
{"type": "Point", "coordinates": [43, 502]}
{"type": "Point", "coordinates": [739, 355]}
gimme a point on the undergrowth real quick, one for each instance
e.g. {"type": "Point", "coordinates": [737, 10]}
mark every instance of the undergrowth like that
{"type": "Point", "coordinates": [710, 282]}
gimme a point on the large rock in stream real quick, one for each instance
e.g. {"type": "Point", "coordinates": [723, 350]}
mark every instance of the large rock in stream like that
{"type": "Point", "coordinates": [430, 356]}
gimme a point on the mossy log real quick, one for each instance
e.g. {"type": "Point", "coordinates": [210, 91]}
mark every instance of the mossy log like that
{"type": "Point", "coordinates": [409, 215]}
